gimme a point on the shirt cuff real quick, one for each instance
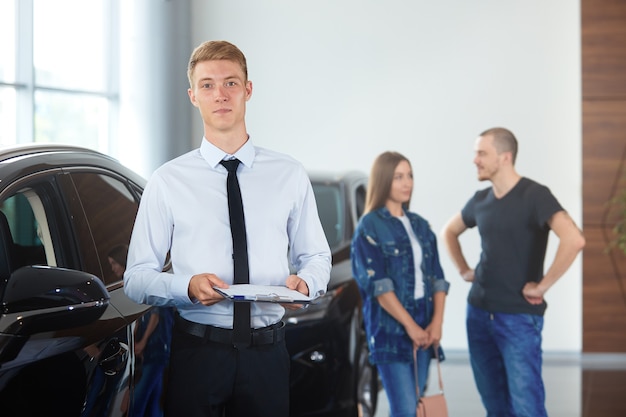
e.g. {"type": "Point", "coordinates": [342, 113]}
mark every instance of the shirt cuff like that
{"type": "Point", "coordinates": [180, 291]}
{"type": "Point", "coordinates": [441, 285]}
{"type": "Point", "coordinates": [382, 286]}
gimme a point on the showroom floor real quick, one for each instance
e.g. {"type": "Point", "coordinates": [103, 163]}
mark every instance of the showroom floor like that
{"type": "Point", "coordinates": [576, 386]}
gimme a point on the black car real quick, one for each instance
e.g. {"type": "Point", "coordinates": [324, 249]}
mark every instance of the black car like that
{"type": "Point", "coordinates": [68, 333]}
{"type": "Point", "coordinates": [330, 372]}
{"type": "Point", "coordinates": [66, 326]}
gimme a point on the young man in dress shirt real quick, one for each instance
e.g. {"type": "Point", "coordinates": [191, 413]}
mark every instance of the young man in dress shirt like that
{"type": "Point", "coordinates": [184, 212]}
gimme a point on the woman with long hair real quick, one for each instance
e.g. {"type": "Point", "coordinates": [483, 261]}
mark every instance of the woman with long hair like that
{"type": "Point", "coordinates": [396, 264]}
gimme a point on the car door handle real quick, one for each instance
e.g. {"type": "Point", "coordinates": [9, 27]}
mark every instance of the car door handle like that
{"type": "Point", "coordinates": [114, 357]}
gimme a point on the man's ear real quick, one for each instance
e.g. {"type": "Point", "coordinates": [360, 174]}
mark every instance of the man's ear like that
{"type": "Point", "coordinates": [192, 97]}
{"type": "Point", "coordinates": [248, 90]}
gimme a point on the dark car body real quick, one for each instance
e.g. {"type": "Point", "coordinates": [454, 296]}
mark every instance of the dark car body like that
{"type": "Point", "coordinates": [68, 331]}
{"type": "Point", "coordinates": [330, 372]}
{"type": "Point", "coordinates": [66, 326]}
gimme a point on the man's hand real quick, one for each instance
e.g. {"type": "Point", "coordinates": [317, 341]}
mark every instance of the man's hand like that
{"type": "Point", "coordinates": [533, 293]}
{"type": "Point", "coordinates": [468, 275]}
{"type": "Point", "coordinates": [294, 282]}
{"type": "Point", "coordinates": [201, 288]}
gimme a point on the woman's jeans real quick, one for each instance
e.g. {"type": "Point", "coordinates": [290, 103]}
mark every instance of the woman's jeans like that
{"type": "Point", "coordinates": [399, 383]}
{"type": "Point", "coordinates": [505, 354]}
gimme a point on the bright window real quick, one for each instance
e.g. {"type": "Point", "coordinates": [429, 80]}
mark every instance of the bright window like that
{"type": "Point", "coordinates": [7, 41]}
{"type": "Point", "coordinates": [69, 47]}
{"type": "Point", "coordinates": [58, 64]}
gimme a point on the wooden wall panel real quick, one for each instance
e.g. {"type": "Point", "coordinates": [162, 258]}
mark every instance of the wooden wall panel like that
{"type": "Point", "coordinates": [604, 300]}
{"type": "Point", "coordinates": [603, 46]}
{"type": "Point", "coordinates": [604, 141]}
{"type": "Point", "coordinates": [604, 147]}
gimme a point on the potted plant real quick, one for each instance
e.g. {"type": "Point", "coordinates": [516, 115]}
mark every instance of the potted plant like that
{"type": "Point", "coordinates": [614, 219]}
{"type": "Point", "coordinates": [618, 215]}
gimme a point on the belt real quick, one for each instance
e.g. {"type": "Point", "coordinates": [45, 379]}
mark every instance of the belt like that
{"type": "Point", "coordinates": [262, 336]}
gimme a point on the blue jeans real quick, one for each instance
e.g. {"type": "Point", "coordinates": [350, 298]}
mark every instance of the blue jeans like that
{"type": "Point", "coordinates": [505, 354]}
{"type": "Point", "coordinates": [399, 382]}
{"type": "Point", "coordinates": [147, 396]}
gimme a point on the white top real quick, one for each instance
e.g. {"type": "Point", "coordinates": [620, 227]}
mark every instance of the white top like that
{"type": "Point", "coordinates": [417, 257]}
{"type": "Point", "coordinates": [184, 210]}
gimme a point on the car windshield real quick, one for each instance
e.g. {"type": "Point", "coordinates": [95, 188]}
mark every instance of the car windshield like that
{"type": "Point", "coordinates": [329, 207]}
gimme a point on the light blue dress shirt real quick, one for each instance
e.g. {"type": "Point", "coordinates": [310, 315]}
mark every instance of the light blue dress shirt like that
{"type": "Point", "coordinates": [184, 210]}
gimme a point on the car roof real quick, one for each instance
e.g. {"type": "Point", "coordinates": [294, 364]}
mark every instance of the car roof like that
{"type": "Point", "coordinates": [347, 177]}
{"type": "Point", "coordinates": [9, 152]}
{"type": "Point", "coordinates": [36, 156]}
{"type": "Point", "coordinates": [13, 151]}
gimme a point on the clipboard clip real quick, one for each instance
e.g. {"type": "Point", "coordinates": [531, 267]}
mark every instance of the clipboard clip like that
{"type": "Point", "coordinates": [274, 298]}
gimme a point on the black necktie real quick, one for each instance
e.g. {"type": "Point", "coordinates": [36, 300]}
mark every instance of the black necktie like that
{"type": "Point", "coordinates": [241, 317]}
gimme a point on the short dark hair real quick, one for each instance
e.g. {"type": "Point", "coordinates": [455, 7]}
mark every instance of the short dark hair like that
{"type": "Point", "coordinates": [503, 140]}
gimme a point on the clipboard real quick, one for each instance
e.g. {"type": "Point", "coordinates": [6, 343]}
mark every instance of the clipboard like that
{"type": "Point", "coordinates": [264, 293]}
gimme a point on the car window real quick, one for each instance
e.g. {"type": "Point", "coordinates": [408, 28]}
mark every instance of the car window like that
{"type": "Point", "coordinates": [331, 212]}
{"type": "Point", "coordinates": [38, 228]}
{"type": "Point", "coordinates": [110, 209]}
{"type": "Point", "coordinates": [359, 199]}
{"type": "Point", "coordinates": [25, 233]}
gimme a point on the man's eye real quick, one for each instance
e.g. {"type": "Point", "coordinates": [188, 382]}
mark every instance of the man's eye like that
{"type": "Point", "coordinates": [207, 85]}
{"type": "Point", "coordinates": [231, 84]}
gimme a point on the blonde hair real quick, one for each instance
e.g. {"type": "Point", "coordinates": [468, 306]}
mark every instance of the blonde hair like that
{"type": "Point", "coordinates": [381, 178]}
{"type": "Point", "coordinates": [216, 50]}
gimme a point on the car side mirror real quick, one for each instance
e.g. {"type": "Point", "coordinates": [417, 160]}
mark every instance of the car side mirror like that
{"type": "Point", "coordinates": [44, 298]}
{"type": "Point", "coordinates": [39, 299]}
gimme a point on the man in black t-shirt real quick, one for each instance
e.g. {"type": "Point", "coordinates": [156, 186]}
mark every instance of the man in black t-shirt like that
{"type": "Point", "coordinates": [506, 301]}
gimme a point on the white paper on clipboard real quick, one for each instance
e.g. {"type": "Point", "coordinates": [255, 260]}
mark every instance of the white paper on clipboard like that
{"type": "Point", "coordinates": [264, 293]}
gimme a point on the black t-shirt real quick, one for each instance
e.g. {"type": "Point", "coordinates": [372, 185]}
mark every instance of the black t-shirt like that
{"type": "Point", "coordinates": [514, 236]}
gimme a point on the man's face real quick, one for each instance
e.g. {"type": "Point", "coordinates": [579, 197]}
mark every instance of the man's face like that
{"type": "Point", "coordinates": [220, 92]}
{"type": "Point", "coordinates": [487, 160]}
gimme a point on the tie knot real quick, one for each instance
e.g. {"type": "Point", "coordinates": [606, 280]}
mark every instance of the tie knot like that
{"type": "Point", "coordinates": [231, 165]}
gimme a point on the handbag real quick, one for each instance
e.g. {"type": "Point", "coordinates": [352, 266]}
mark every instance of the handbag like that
{"type": "Point", "coordinates": [432, 405]}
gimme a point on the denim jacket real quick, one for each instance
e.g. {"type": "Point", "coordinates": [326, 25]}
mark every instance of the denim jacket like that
{"type": "Point", "coordinates": [382, 261]}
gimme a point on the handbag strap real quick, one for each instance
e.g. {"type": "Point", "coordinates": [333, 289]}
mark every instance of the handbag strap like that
{"type": "Point", "coordinates": [417, 385]}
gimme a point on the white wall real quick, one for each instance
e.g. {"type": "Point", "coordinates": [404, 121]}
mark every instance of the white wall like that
{"type": "Point", "coordinates": [338, 82]}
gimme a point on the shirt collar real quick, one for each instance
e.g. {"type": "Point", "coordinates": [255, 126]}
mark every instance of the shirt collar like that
{"type": "Point", "coordinates": [213, 155]}
{"type": "Point", "coordinates": [384, 212]}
